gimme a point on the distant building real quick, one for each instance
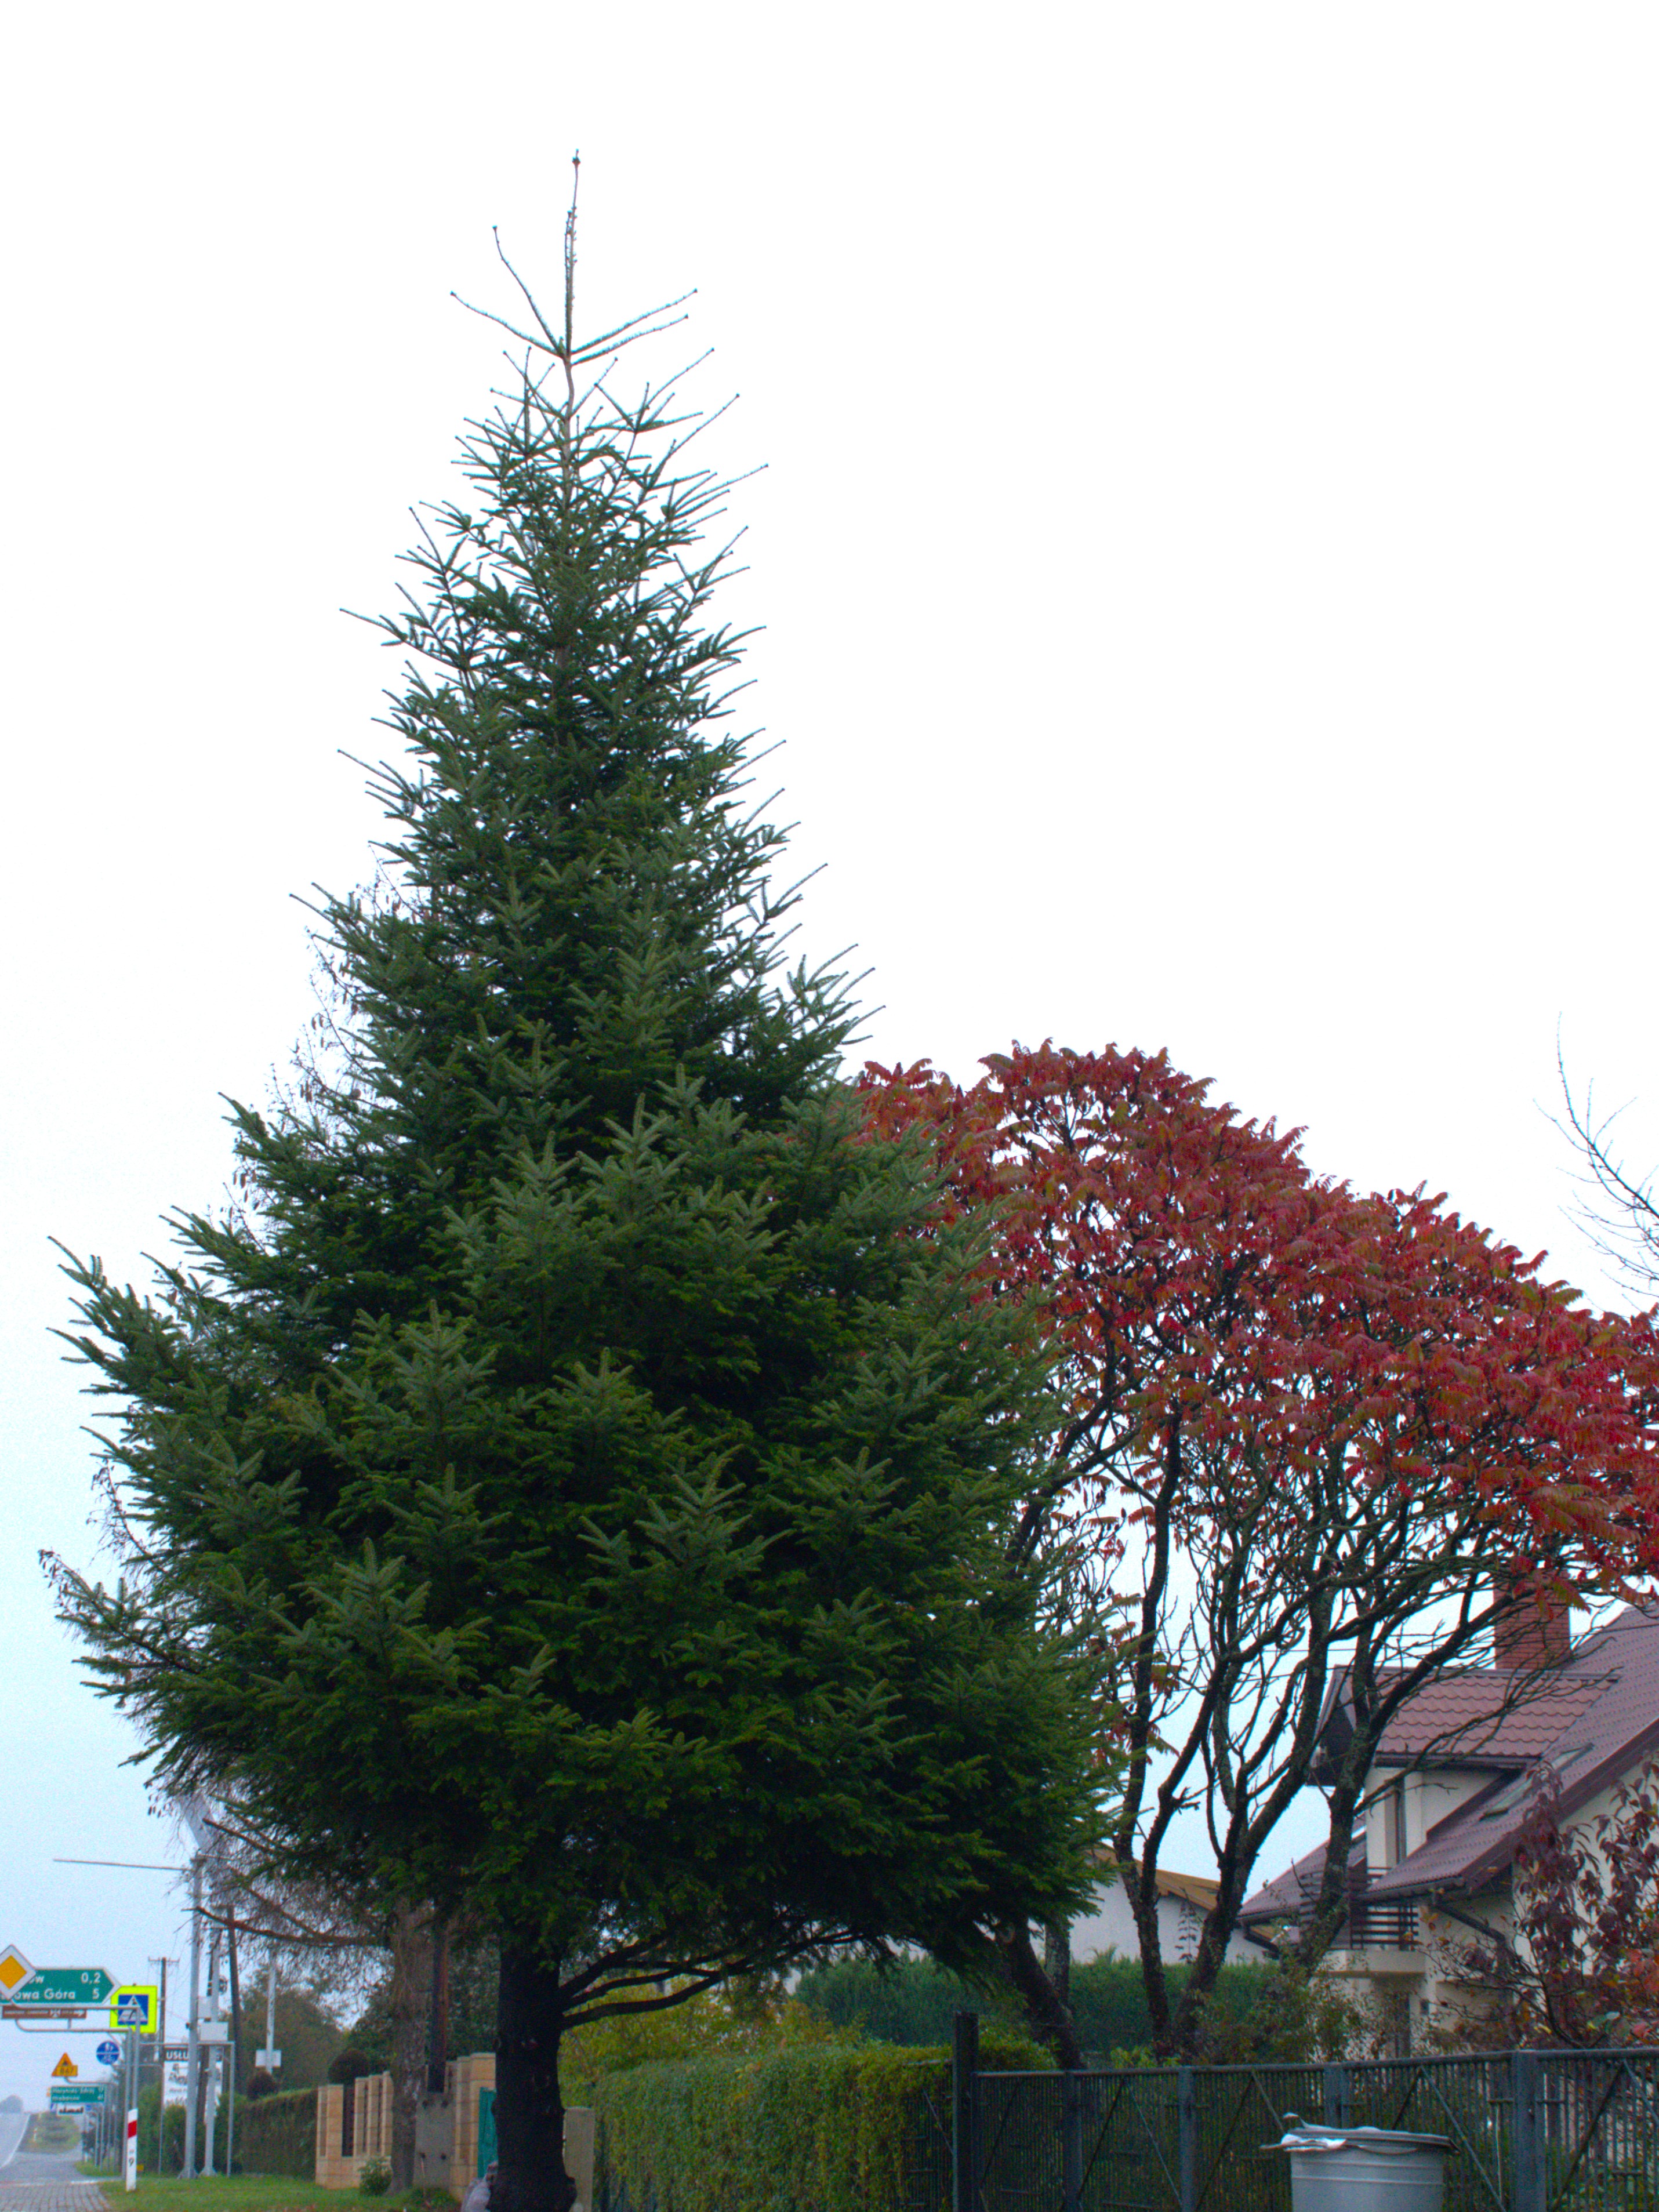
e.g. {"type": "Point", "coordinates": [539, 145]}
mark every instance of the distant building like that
{"type": "Point", "coordinates": [1183, 1900]}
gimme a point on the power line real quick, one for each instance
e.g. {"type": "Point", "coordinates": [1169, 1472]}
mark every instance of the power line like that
{"type": "Point", "coordinates": [141, 1866]}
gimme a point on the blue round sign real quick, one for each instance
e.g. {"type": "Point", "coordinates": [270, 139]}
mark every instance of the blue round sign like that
{"type": "Point", "coordinates": [109, 2052]}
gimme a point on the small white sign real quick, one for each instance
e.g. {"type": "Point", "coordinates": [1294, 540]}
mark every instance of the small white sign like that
{"type": "Point", "coordinates": [213, 2031]}
{"type": "Point", "coordinates": [271, 2060]}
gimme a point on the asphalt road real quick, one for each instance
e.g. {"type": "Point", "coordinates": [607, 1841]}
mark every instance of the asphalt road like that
{"type": "Point", "coordinates": [39, 2165]}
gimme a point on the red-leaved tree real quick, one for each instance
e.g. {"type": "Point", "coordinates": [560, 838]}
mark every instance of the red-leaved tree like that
{"type": "Point", "coordinates": [1313, 1440]}
{"type": "Point", "coordinates": [1581, 1966]}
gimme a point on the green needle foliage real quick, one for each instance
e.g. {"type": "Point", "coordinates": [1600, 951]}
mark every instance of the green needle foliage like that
{"type": "Point", "coordinates": [573, 1483]}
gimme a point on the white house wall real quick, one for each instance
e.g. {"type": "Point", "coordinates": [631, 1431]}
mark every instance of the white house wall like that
{"type": "Point", "coordinates": [1432, 1796]}
{"type": "Point", "coordinates": [1109, 1926]}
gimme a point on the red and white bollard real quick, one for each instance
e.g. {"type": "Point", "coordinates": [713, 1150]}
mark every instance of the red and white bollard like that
{"type": "Point", "coordinates": [129, 2171]}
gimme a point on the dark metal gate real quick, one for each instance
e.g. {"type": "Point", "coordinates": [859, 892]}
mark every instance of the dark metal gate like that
{"type": "Point", "coordinates": [1531, 2131]}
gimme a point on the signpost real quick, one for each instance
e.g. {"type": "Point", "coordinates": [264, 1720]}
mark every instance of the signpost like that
{"type": "Point", "coordinates": [36, 1997]}
{"type": "Point", "coordinates": [62, 1985]}
{"type": "Point", "coordinates": [43, 1996]}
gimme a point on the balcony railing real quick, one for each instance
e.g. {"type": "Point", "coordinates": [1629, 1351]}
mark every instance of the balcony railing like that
{"type": "Point", "coordinates": [1381, 1924]}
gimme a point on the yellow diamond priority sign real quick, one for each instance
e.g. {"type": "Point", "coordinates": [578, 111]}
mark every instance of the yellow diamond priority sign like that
{"type": "Point", "coordinates": [14, 1968]}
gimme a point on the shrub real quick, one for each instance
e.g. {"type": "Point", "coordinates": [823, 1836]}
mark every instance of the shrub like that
{"type": "Point", "coordinates": [161, 2135]}
{"type": "Point", "coordinates": [349, 2065]}
{"type": "Point", "coordinates": [278, 2134]}
{"type": "Point", "coordinates": [841, 2126]}
{"type": "Point", "coordinates": [910, 2002]}
{"type": "Point", "coordinates": [375, 2179]}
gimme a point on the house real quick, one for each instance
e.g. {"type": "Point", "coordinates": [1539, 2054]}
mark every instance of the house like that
{"type": "Point", "coordinates": [1445, 1799]}
{"type": "Point", "coordinates": [1183, 1900]}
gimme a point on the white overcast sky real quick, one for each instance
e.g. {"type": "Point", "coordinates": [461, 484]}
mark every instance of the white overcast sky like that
{"type": "Point", "coordinates": [1207, 553]}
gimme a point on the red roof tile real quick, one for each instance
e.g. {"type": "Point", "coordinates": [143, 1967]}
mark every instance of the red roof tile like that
{"type": "Point", "coordinates": [1486, 1716]}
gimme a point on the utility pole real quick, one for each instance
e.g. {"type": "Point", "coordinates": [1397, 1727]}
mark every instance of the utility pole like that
{"type": "Point", "coordinates": [193, 2058]}
{"type": "Point", "coordinates": [268, 2057]}
{"type": "Point", "coordinates": [162, 2064]}
{"type": "Point", "coordinates": [215, 2043]}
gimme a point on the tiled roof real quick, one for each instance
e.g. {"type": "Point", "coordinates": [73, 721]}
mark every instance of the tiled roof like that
{"type": "Point", "coordinates": [1602, 1737]}
{"type": "Point", "coordinates": [1284, 1898]}
{"type": "Point", "coordinates": [1198, 1889]}
{"type": "Point", "coordinates": [1594, 1721]}
{"type": "Point", "coordinates": [1201, 1890]}
{"type": "Point", "coordinates": [1487, 1717]}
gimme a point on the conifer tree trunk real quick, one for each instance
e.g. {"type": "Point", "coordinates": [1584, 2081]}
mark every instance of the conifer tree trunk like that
{"type": "Point", "coordinates": [411, 1975]}
{"type": "Point", "coordinates": [529, 2106]}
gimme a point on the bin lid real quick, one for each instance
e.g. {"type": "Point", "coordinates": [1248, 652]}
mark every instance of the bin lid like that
{"type": "Point", "coordinates": [1312, 2135]}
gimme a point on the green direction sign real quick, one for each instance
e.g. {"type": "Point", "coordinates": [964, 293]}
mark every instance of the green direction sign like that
{"type": "Point", "coordinates": [63, 1986]}
{"type": "Point", "coordinates": [68, 2096]}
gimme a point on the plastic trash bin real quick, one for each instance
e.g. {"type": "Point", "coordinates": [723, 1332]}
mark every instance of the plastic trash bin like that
{"type": "Point", "coordinates": [1364, 2169]}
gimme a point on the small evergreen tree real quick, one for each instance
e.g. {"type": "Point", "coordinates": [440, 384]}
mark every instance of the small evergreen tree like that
{"type": "Point", "coordinates": [576, 1480]}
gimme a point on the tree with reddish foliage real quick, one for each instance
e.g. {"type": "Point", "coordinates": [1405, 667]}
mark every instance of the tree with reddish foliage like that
{"type": "Point", "coordinates": [1311, 1438]}
{"type": "Point", "coordinates": [1581, 1965]}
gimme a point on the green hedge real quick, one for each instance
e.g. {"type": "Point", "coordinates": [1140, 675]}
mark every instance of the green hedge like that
{"type": "Point", "coordinates": [278, 2134]}
{"type": "Point", "coordinates": [824, 2127]}
{"type": "Point", "coordinates": [912, 2002]}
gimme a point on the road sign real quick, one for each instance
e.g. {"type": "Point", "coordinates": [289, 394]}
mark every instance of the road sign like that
{"type": "Point", "coordinates": [14, 1968]}
{"type": "Point", "coordinates": [63, 1986]}
{"type": "Point", "coordinates": [109, 2052]}
{"type": "Point", "coordinates": [271, 2060]}
{"type": "Point", "coordinates": [72, 2096]}
{"type": "Point", "coordinates": [136, 2006]}
{"type": "Point", "coordinates": [65, 2069]}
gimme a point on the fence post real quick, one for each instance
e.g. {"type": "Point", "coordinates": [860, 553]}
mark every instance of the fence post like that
{"type": "Point", "coordinates": [1186, 2136]}
{"type": "Point", "coordinates": [1338, 2101]}
{"type": "Point", "coordinates": [1527, 2137]}
{"type": "Point", "coordinates": [1070, 2142]}
{"type": "Point", "coordinates": [965, 2112]}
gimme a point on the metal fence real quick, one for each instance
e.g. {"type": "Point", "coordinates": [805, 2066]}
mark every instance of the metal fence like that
{"type": "Point", "coordinates": [1530, 2131]}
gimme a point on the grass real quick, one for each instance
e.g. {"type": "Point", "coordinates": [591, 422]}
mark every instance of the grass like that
{"type": "Point", "coordinates": [243, 2192]}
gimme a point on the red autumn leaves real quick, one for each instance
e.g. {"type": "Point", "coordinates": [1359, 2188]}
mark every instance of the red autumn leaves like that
{"type": "Point", "coordinates": [1237, 1340]}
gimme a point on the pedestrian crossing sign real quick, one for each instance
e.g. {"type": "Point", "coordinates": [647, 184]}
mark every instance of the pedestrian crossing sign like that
{"type": "Point", "coordinates": [136, 2009]}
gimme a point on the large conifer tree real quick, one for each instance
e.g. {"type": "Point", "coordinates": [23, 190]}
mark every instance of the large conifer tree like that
{"type": "Point", "coordinates": [575, 1478]}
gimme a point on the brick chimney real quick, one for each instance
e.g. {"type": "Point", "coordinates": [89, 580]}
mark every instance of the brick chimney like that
{"type": "Point", "coordinates": [1535, 1634]}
